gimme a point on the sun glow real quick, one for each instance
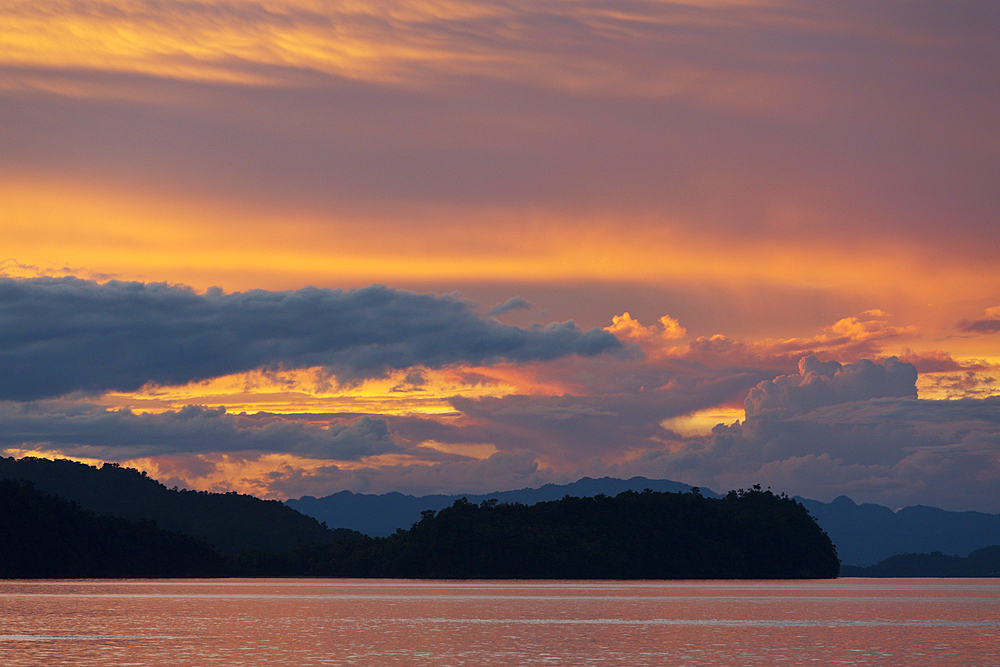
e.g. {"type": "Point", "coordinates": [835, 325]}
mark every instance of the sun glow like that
{"type": "Point", "coordinates": [703, 421]}
{"type": "Point", "coordinates": [160, 237]}
{"type": "Point", "coordinates": [413, 392]}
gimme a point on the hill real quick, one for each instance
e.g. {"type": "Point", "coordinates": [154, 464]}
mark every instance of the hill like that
{"type": "Point", "coordinates": [382, 515]}
{"type": "Point", "coordinates": [650, 535]}
{"type": "Point", "coordinates": [49, 537]}
{"type": "Point", "coordinates": [864, 534]}
{"type": "Point", "coordinates": [983, 562]}
{"type": "Point", "coordinates": [230, 522]}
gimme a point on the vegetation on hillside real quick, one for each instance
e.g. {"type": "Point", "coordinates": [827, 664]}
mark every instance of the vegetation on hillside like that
{"type": "Point", "coordinates": [45, 536]}
{"type": "Point", "coordinates": [231, 522]}
{"type": "Point", "coordinates": [116, 521]}
{"type": "Point", "coordinates": [650, 535]}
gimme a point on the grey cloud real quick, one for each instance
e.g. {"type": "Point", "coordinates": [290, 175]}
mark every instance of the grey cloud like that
{"type": "Point", "coordinates": [892, 450]}
{"type": "Point", "coordinates": [59, 335]}
{"type": "Point", "coordinates": [856, 429]}
{"type": "Point", "coordinates": [826, 383]}
{"type": "Point", "coordinates": [513, 303]}
{"type": "Point", "coordinates": [572, 428]}
{"type": "Point", "coordinates": [987, 326]}
{"type": "Point", "coordinates": [91, 431]}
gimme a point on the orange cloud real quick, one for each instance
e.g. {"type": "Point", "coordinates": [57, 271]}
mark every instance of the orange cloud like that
{"type": "Point", "coordinates": [313, 390]}
{"type": "Point", "coordinates": [159, 237]}
{"type": "Point", "coordinates": [651, 338]}
{"type": "Point", "coordinates": [848, 339]}
{"type": "Point", "coordinates": [401, 42]}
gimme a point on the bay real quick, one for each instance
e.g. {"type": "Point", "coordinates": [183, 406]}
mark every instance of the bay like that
{"type": "Point", "coordinates": [299, 622]}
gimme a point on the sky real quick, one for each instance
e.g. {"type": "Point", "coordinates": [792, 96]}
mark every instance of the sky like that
{"type": "Point", "coordinates": [293, 247]}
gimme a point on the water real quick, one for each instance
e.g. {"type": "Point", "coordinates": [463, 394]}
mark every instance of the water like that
{"type": "Point", "coordinates": [275, 622]}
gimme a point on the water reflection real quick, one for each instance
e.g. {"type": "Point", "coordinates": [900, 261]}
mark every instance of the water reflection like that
{"type": "Point", "coordinates": [320, 622]}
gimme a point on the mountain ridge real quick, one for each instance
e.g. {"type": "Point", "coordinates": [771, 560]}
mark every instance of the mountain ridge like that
{"type": "Point", "coordinates": [380, 515]}
{"type": "Point", "coordinates": [864, 534]}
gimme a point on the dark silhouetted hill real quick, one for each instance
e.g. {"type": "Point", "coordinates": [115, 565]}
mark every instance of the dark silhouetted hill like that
{"type": "Point", "coordinates": [230, 522]}
{"type": "Point", "coordinates": [863, 534]}
{"type": "Point", "coordinates": [648, 535]}
{"type": "Point", "coordinates": [983, 562]}
{"type": "Point", "coordinates": [42, 536]}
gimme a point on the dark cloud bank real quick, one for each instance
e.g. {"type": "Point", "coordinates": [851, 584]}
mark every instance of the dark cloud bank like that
{"type": "Point", "coordinates": [115, 435]}
{"type": "Point", "coordinates": [830, 429]}
{"type": "Point", "coordinates": [60, 335]}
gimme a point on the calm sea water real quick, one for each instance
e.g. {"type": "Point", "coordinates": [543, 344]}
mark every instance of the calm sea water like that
{"type": "Point", "coordinates": [276, 622]}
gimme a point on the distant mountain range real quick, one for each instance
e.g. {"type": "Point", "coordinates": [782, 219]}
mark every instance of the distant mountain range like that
{"type": "Point", "coordinates": [109, 522]}
{"type": "Point", "coordinates": [234, 523]}
{"type": "Point", "coordinates": [381, 515]}
{"type": "Point", "coordinates": [863, 534]}
{"type": "Point", "coordinates": [983, 562]}
{"type": "Point", "coordinates": [867, 534]}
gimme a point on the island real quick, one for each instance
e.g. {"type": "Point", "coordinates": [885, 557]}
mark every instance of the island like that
{"type": "Point", "coordinates": [746, 534]}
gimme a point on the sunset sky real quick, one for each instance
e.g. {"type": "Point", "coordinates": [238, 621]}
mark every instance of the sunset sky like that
{"type": "Point", "coordinates": [292, 247]}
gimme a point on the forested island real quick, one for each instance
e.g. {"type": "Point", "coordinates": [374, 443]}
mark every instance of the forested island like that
{"type": "Point", "coordinates": [152, 531]}
{"type": "Point", "coordinates": [750, 534]}
{"type": "Point", "coordinates": [864, 533]}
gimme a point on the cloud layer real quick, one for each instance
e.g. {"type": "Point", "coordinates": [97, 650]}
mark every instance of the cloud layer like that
{"type": "Point", "coordinates": [93, 432]}
{"type": "Point", "coordinates": [798, 199]}
{"type": "Point", "coordinates": [60, 335]}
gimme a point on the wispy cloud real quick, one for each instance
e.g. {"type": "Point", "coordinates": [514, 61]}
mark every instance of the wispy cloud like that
{"type": "Point", "coordinates": [988, 325]}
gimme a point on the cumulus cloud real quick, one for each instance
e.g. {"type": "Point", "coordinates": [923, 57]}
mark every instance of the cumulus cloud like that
{"type": "Point", "coordinates": [571, 429]}
{"type": "Point", "coordinates": [890, 451]}
{"type": "Point", "coordinates": [650, 338]}
{"type": "Point", "coordinates": [850, 338]}
{"type": "Point", "coordinates": [93, 432]}
{"type": "Point", "coordinates": [826, 383]}
{"type": "Point", "coordinates": [855, 429]}
{"type": "Point", "coordinates": [59, 335]}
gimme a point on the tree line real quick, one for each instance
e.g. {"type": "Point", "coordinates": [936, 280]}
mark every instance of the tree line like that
{"type": "Point", "coordinates": [116, 522]}
{"type": "Point", "coordinates": [749, 534]}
